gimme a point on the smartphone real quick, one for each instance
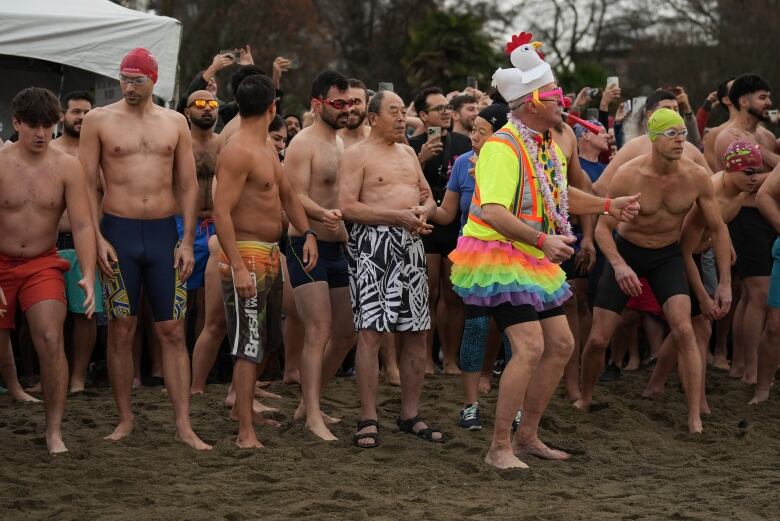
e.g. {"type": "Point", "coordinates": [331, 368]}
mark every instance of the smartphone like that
{"type": "Point", "coordinates": [773, 115]}
{"type": "Point", "coordinates": [386, 86]}
{"type": "Point", "coordinates": [471, 82]}
{"type": "Point", "coordinates": [592, 93]}
{"type": "Point", "coordinates": [638, 102]}
{"type": "Point", "coordinates": [591, 114]}
{"type": "Point", "coordinates": [434, 133]}
{"type": "Point", "coordinates": [627, 107]}
{"type": "Point", "coordinates": [233, 54]}
{"type": "Point", "coordinates": [295, 62]}
{"type": "Point", "coordinates": [613, 80]}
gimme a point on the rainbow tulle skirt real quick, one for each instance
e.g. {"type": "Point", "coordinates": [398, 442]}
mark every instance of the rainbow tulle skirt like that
{"type": "Point", "coordinates": [489, 273]}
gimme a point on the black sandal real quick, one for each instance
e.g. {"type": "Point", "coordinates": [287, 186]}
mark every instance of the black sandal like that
{"type": "Point", "coordinates": [362, 424]}
{"type": "Point", "coordinates": [426, 433]}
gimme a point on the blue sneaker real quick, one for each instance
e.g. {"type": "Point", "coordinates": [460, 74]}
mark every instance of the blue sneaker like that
{"type": "Point", "coordinates": [469, 417]}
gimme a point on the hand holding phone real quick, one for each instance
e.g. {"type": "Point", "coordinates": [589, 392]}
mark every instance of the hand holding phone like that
{"type": "Point", "coordinates": [613, 81]}
{"type": "Point", "coordinates": [234, 54]}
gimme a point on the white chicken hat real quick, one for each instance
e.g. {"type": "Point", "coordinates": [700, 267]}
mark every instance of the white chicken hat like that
{"type": "Point", "coordinates": [530, 73]}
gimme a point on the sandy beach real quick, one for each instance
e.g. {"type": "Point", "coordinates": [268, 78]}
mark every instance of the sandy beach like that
{"type": "Point", "coordinates": [632, 459]}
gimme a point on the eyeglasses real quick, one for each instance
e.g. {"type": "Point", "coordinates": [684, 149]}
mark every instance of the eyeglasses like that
{"type": "Point", "coordinates": [338, 104]}
{"type": "Point", "coordinates": [441, 109]}
{"type": "Point", "coordinates": [201, 104]}
{"type": "Point", "coordinates": [138, 80]}
{"type": "Point", "coordinates": [671, 133]}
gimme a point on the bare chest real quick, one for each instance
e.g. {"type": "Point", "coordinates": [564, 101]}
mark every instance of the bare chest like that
{"type": "Point", "coordinates": [155, 137]}
{"type": "Point", "coordinates": [324, 168]}
{"type": "Point", "coordinates": [205, 159]}
{"type": "Point", "coordinates": [40, 189]}
{"type": "Point", "coordinates": [672, 197]}
{"type": "Point", "coordinates": [389, 170]}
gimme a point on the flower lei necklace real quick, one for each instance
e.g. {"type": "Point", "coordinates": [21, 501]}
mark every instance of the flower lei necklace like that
{"type": "Point", "coordinates": [557, 213]}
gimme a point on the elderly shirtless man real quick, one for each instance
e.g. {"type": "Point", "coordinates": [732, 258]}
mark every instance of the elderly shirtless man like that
{"type": "Point", "coordinates": [38, 183]}
{"type": "Point", "coordinates": [381, 182]}
{"type": "Point", "coordinates": [322, 294]}
{"type": "Point", "coordinates": [648, 246]}
{"type": "Point", "coordinates": [250, 192]}
{"type": "Point", "coordinates": [145, 153]}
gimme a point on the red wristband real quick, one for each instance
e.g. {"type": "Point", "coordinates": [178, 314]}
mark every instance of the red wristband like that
{"type": "Point", "coordinates": [540, 238]}
{"type": "Point", "coordinates": [607, 204]}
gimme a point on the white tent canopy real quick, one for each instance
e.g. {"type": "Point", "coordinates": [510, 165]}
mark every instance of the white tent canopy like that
{"type": "Point", "coordinates": [89, 34]}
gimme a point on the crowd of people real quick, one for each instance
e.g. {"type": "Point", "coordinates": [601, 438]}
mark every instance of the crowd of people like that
{"type": "Point", "coordinates": [509, 230]}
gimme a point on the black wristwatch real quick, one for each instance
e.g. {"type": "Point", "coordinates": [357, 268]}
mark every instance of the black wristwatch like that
{"type": "Point", "coordinates": [309, 232]}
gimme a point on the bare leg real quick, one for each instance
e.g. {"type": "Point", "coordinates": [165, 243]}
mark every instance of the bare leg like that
{"type": "Point", "coordinates": [176, 367]}
{"type": "Point", "coordinates": [604, 324]}
{"type": "Point", "coordinates": [494, 342]}
{"type": "Point", "coordinates": [214, 329]}
{"type": "Point", "coordinates": [654, 331]}
{"type": "Point", "coordinates": [84, 336]}
{"type": "Point", "coordinates": [137, 352]}
{"type": "Point", "coordinates": [367, 366]}
{"type": "Point", "coordinates": [768, 356]}
{"type": "Point", "coordinates": [46, 319]}
{"type": "Point", "coordinates": [738, 344]}
{"type": "Point", "coordinates": [677, 310]}
{"type": "Point", "coordinates": [527, 347]}
{"type": "Point", "coordinates": [412, 366]}
{"type": "Point", "coordinates": [8, 370]}
{"type": "Point", "coordinates": [722, 329]}
{"type": "Point", "coordinates": [702, 329]}
{"type": "Point", "coordinates": [667, 360]}
{"type": "Point", "coordinates": [119, 356]}
{"type": "Point", "coordinates": [389, 353]}
{"type": "Point", "coordinates": [558, 346]}
{"type": "Point", "coordinates": [313, 302]}
{"type": "Point", "coordinates": [572, 370]}
{"type": "Point", "coordinates": [200, 303]}
{"type": "Point", "coordinates": [244, 378]}
{"type": "Point", "coordinates": [753, 324]}
{"type": "Point", "coordinates": [292, 331]}
{"type": "Point", "coordinates": [450, 320]}
{"type": "Point", "coordinates": [433, 268]}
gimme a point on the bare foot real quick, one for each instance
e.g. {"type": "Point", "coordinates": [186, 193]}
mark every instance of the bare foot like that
{"type": "Point", "coordinates": [652, 393]}
{"type": "Point", "coordinates": [34, 388]}
{"type": "Point", "coordinates": [193, 392]}
{"type": "Point", "coordinates": [736, 371]}
{"type": "Point", "coordinates": [262, 393]}
{"type": "Point", "coordinates": [250, 443]}
{"type": "Point", "coordinates": [429, 368]}
{"type": "Point", "coordinates": [20, 396]}
{"type": "Point", "coordinates": [76, 387]}
{"type": "Point", "coordinates": [695, 426]}
{"type": "Point", "coordinates": [300, 414]}
{"type": "Point", "coordinates": [191, 439]}
{"type": "Point", "coordinates": [582, 405]}
{"type": "Point", "coordinates": [292, 377]}
{"type": "Point", "coordinates": [394, 377]}
{"type": "Point", "coordinates": [321, 431]}
{"type": "Point", "coordinates": [257, 407]}
{"type": "Point", "coordinates": [451, 369]}
{"type": "Point", "coordinates": [262, 384]}
{"type": "Point", "coordinates": [256, 418]}
{"type": "Point", "coordinates": [721, 362]}
{"type": "Point", "coordinates": [632, 365]}
{"type": "Point", "coordinates": [485, 384]}
{"type": "Point", "coordinates": [55, 444]}
{"type": "Point", "coordinates": [136, 383]}
{"type": "Point", "coordinates": [122, 429]}
{"type": "Point", "coordinates": [705, 408]}
{"type": "Point", "coordinates": [503, 459]}
{"type": "Point", "coordinates": [749, 379]}
{"type": "Point", "coordinates": [760, 396]}
{"type": "Point", "coordinates": [573, 396]}
{"type": "Point", "coordinates": [536, 448]}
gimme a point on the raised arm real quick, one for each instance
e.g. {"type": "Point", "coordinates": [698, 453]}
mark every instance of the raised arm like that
{"type": "Point", "coordinates": [82, 227]}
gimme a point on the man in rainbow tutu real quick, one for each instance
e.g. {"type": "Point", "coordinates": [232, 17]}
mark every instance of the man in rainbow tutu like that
{"type": "Point", "coordinates": [506, 264]}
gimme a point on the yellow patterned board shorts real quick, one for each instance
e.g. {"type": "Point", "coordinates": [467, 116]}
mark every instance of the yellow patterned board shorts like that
{"type": "Point", "coordinates": [145, 250]}
{"type": "Point", "coordinates": [254, 325]}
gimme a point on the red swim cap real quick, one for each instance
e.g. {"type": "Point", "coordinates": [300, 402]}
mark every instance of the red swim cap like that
{"type": "Point", "coordinates": [140, 61]}
{"type": "Point", "coordinates": [741, 155]}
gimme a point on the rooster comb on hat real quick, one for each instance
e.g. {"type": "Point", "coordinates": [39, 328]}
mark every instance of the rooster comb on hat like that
{"type": "Point", "coordinates": [530, 71]}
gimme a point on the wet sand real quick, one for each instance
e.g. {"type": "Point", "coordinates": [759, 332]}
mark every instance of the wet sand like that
{"type": "Point", "coordinates": [633, 459]}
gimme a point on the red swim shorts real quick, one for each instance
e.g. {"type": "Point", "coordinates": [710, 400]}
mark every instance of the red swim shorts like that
{"type": "Point", "coordinates": [646, 301]}
{"type": "Point", "coordinates": [29, 281]}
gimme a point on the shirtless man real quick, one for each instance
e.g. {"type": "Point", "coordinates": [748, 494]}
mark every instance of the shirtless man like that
{"type": "Point", "coordinates": [768, 352]}
{"type": "Point", "coordinates": [250, 191]}
{"type": "Point", "coordinates": [38, 183]}
{"type": "Point", "coordinates": [647, 246]}
{"type": "Point", "coordinates": [356, 129]}
{"type": "Point", "coordinates": [732, 187]}
{"type": "Point", "coordinates": [322, 294]}
{"type": "Point", "coordinates": [752, 235]}
{"type": "Point", "coordinates": [640, 145]}
{"type": "Point", "coordinates": [75, 106]}
{"type": "Point", "coordinates": [202, 111]}
{"type": "Point", "coordinates": [380, 189]}
{"type": "Point", "coordinates": [145, 154]}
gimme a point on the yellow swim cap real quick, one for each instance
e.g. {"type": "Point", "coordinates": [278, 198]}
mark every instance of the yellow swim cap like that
{"type": "Point", "coordinates": [663, 119]}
